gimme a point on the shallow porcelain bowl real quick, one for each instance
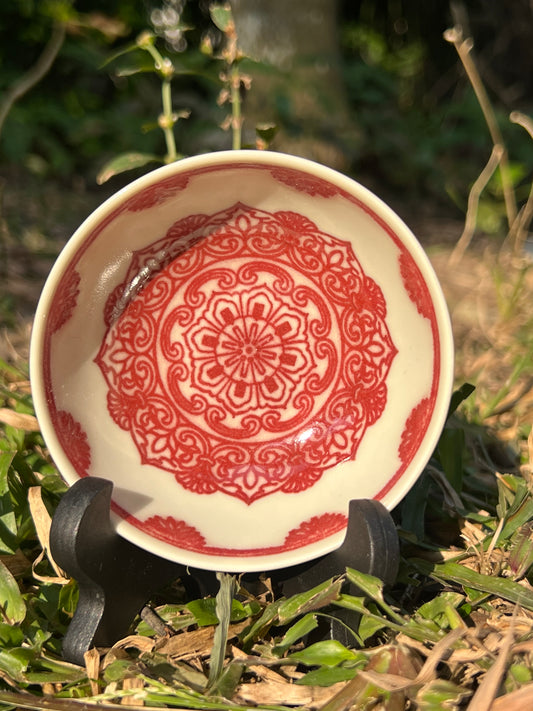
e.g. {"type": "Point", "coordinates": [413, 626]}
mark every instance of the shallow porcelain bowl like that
{"type": "Point", "coordinates": [242, 342]}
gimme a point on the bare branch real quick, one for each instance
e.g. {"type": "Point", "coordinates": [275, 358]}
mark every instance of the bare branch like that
{"type": "Point", "coordinates": [473, 203]}
{"type": "Point", "coordinates": [34, 75]}
{"type": "Point", "coordinates": [464, 48]}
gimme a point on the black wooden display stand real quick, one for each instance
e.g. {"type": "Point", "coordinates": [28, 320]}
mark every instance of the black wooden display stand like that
{"type": "Point", "coordinates": [116, 578]}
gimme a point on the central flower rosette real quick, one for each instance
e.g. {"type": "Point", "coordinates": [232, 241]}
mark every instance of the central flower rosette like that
{"type": "Point", "coordinates": [250, 350]}
{"type": "Point", "coordinates": [254, 357]}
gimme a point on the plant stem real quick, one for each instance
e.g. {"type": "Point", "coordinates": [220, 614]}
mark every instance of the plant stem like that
{"type": "Point", "coordinates": [168, 125]}
{"type": "Point", "coordinates": [473, 202]}
{"type": "Point", "coordinates": [464, 48]}
{"type": "Point", "coordinates": [167, 119]}
{"type": "Point", "coordinates": [236, 116]}
{"type": "Point", "coordinates": [520, 227]}
{"type": "Point", "coordinates": [35, 73]}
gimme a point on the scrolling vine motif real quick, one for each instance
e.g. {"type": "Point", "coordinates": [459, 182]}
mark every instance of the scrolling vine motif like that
{"type": "Point", "coordinates": [254, 357]}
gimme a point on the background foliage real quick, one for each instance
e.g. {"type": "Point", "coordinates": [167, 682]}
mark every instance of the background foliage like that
{"type": "Point", "coordinates": [413, 123]}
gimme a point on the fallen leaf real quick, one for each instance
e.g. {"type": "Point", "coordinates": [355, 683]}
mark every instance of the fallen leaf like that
{"type": "Point", "coordinates": [275, 692]}
{"type": "Point", "coordinates": [19, 420]}
{"type": "Point", "coordinates": [196, 643]}
{"type": "Point", "coordinates": [134, 641]}
{"type": "Point", "coordinates": [43, 522]}
{"type": "Point", "coordinates": [490, 683]}
{"type": "Point", "coordinates": [92, 665]}
{"type": "Point", "coordinates": [132, 683]}
{"type": "Point", "coordinates": [515, 701]}
{"type": "Point", "coordinates": [17, 563]}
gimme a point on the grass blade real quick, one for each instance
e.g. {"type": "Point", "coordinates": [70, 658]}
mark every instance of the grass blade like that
{"type": "Point", "coordinates": [459, 574]}
{"type": "Point", "coordinates": [224, 601]}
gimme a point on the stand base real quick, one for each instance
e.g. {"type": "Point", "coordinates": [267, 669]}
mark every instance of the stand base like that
{"type": "Point", "coordinates": [116, 578]}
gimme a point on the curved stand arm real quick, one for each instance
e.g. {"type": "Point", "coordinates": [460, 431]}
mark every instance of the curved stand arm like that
{"type": "Point", "coordinates": [115, 577]}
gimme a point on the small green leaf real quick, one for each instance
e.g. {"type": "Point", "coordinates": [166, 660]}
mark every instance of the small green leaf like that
{"type": "Point", "coordinates": [518, 515]}
{"type": "Point", "coordinates": [303, 626]}
{"type": "Point", "coordinates": [451, 448]}
{"type": "Point", "coordinates": [351, 602]}
{"type": "Point", "coordinates": [54, 671]}
{"type": "Point", "coordinates": [459, 396]}
{"type": "Point", "coordinates": [329, 653]}
{"type": "Point", "coordinates": [221, 16]}
{"type": "Point", "coordinates": [125, 50]}
{"type": "Point", "coordinates": [118, 669]}
{"type": "Point", "coordinates": [124, 162]}
{"type": "Point", "coordinates": [367, 584]}
{"type": "Point", "coordinates": [10, 636]}
{"type": "Point", "coordinates": [521, 553]}
{"type": "Point", "coordinates": [368, 626]}
{"type": "Point", "coordinates": [203, 611]}
{"type": "Point", "coordinates": [11, 600]}
{"type": "Point", "coordinates": [314, 599]}
{"type": "Point", "coordinates": [229, 680]}
{"type": "Point", "coordinates": [266, 131]}
{"type": "Point", "coordinates": [327, 676]}
{"type": "Point", "coordinates": [14, 662]}
{"type": "Point", "coordinates": [520, 674]}
{"type": "Point", "coordinates": [440, 694]}
{"type": "Point", "coordinates": [267, 619]}
{"type": "Point", "coordinates": [437, 608]}
{"type": "Point", "coordinates": [8, 523]}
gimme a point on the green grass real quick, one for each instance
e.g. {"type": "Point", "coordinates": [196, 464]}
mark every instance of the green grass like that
{"type": "Point", "coordinates": [457, 624]}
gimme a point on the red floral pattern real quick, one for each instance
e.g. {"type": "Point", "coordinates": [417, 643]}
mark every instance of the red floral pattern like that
{"type": "Point", "coordinates": [175, 532]}
{"type": "Point", "coordinates": [305, 183]}
{"type": "Point", "coordinates": [415, 285]}
{"type": "Point", "coordinates": [155, 194]}
{"type": "Point", "coordinates": [74, 441]}
{"type": "Point", "coordinates": [182, 535]}
{"type": "Point", "coordinates": [254, 356]}
{"type": "Point", "coordinates": [251, 351]}
{"type": "Point", "coordinates": [65, 300]}
{"type": "Point", "coordinates": [415, 430]}
{"type": "Point", "coordinates": [315, 529]}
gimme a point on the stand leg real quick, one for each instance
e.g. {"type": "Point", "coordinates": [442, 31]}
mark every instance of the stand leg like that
{"type": "Point", "coordinates": [115, 577]}
{"type": "Point", "coordinates": [370, 546]}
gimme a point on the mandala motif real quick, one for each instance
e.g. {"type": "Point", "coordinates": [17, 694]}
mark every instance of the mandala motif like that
{"type": "Point", "coordinates": [253, 357]}
{"type": "Point", "coordinates": [250, 350]}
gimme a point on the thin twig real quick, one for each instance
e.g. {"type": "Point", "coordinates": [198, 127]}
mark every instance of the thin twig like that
{"type": "Point", "coordinates": [520, 226]}
{"type": "Point", "coordinates": [511, 404]}
{"type": "Point", "coordinates": [34, 75]}
{"type": "Point", "coordinates": [464, 48]}
{"type": "Point", "coordinates": [157, 623]}
{"type": "Point", "coordinates": [473, 203]}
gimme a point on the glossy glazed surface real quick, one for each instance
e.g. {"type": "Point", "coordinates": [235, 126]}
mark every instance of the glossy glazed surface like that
{"type": "Point", "coordinates": [242, 342]}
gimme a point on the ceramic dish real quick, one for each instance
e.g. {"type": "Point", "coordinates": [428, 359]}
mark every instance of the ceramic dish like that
{"type": "Point", "coordinates": [242, 342]}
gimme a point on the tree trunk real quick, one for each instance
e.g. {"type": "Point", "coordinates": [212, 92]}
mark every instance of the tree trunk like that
{"type": "Point", "coordinates": [298, 85]}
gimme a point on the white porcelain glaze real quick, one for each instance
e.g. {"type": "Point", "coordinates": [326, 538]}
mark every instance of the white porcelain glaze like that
{"type": "Point", "coordinates": [242, 342]}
